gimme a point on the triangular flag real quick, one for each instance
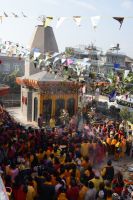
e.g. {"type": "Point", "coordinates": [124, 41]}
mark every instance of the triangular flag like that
{"type": "Point", "coordinates": [60, 21]}
{"type": "Point", "coordinates": [126, 73]}
{"type": "Point", "coordinates": [36, 54]}
{"type": "Point", "coordinates": [48, 21]}
{"type": "Point", "coordinates": [95, 20]}
{"type": "Point", "coordinates": [15, 15]}
{"type": "Point", "coordinates": [120, 20]}
{"type": "Point", "coordinates": [23, 14]}
{"type": "Point", "coordinates": [77, 20]}
{"type": "Point", "coordinates": [5, 14]}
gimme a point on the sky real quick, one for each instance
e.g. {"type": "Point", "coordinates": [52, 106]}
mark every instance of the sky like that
{"type": "Point", "coordinates": [69, 34]}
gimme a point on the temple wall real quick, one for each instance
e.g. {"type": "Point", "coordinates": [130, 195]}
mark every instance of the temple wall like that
{"type": "Point", "coordinates": [34, 103]}
{"type": "Point", "coordinates": [24, 97]}
{"type": "Point", "coordinates": [29, 106]}
{"type": "Point", "coordinates": [30, 68]}
{"type": "Point", "coordinates": [35, 110]}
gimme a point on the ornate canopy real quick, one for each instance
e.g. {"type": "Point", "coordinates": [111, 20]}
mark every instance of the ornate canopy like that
{"type": "Point", "coordinates": [49, 83]}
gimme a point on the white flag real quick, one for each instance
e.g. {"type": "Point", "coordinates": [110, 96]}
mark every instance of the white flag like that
{"type": "Point", "coordinates": [95, 20]}
{"type": "Point", "coordinates": [126, 73]}
{"type": "Point", "coordinates": [77, 20]}
{"type": "Point", "coordinates": [60, 21]}
{"type": "Point", "coordinates": [36, 54]}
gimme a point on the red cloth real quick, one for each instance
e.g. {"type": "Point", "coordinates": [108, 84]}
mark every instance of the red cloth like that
{"type": "Point", "coordinates": [19, 194]}
{"type": "Point", "coordinates": [73, 193]}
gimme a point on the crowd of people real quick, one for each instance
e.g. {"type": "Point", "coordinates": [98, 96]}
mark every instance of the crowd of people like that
{"type": "Point", "coordinates": [63, 163]}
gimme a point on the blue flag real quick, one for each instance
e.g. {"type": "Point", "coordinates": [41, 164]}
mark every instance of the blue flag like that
{"type": "Point", "coordinates": [112, 96]}
{"type": "Point", "coordinates": [116, 65]}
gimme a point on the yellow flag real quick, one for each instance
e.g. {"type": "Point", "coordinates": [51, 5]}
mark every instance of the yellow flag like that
{"type": "Point", "coordinates": [48, 20]}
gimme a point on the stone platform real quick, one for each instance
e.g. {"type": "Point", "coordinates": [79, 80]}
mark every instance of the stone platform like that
{"type": "Point", "coordinates": [15, 112]}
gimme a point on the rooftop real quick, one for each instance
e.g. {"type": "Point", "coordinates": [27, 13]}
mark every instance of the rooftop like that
{"type": "Point", "coordinates": [45, 76]}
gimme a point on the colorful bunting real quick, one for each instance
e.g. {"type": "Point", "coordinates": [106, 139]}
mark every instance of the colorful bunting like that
{"type": "Point", "coordinates": [10, 48]}
{"type": "Point", "coordinates": [48, 20]}
{"type": "Point", "coordinates": [120, 20]}
{"type": "Point", "coordinates": [60, 21]}
{"type": "Point", "coordinates": [95, 20]}
{"type": "Point", "coordinates": [77, 20]}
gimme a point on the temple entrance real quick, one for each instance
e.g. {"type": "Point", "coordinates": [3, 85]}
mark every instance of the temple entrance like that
{"type": "Point", "coordinates": [35, 108]}
{"type": "Point", "coordinates": [47, 109]}
{"type": "Point", "coordinates": [70, 106]}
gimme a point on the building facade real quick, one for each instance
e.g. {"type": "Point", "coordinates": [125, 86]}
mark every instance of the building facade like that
{"type": "Point", "coordinates": [12, 64]}
{"type": "Point", "coordinates": [47, 94]}
{"type": "Point", "coordinates": [44, 92]}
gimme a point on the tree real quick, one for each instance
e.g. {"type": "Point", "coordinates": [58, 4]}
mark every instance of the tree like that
{"type": "Point", "coordinates": [126, 115]}
{"type": "Point", "coordinates": [69, 51]}
{"type": "Point", "coordinates": [131, 118]}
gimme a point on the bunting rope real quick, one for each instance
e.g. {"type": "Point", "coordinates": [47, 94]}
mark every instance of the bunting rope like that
{"type": "Point", "coordinates": [46, 20]}
{"type": "Point", "coordinates": [11, 48]}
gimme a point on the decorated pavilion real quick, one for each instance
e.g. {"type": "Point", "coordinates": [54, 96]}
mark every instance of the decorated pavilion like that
{"type": "Point", "coordinates": [45, 92]}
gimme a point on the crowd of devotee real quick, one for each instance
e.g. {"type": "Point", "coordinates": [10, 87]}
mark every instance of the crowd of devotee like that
{"type": "Point", "coordinates": [64, 163]}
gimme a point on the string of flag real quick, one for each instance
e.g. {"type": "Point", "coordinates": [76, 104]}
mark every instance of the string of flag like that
{"type": "Point", "coordinates": [13, 49]}
{"type": "Point", "coordinates": [46, 20]}
{"type": "Point", "coordinates": [77, 19]}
